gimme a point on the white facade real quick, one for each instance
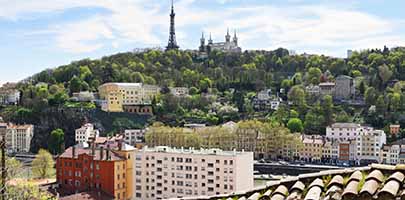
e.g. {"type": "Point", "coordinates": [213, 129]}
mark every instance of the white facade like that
{"type": "Point", "coordinates": [9, 97]}
{"type": "Point", "coordinates": [134, 136]}
{"type": "Point", "coordinates": [84, 133]}
{"type": "Point", "coordinates": [18, 138]}
{"type": "Point", "coordinates": [369, 144]}
{"type": "Point", "coordinates": [163, 172]}
{"type": "Point", "coordinates": [390, 154]}
{"type": "Point", "coordinates": [345, 131]}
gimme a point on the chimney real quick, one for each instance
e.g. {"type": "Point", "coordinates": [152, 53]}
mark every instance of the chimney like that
{"type": "Point", "coordinates": [101, 153]}
{"type": "Point", "coordinates": [93, 146]}
{"type": "Point", "coordinates": [107, 154]}
{"type": "Point", "coordinates": [73, 151]}
{"type": "Point", "coordinates": [119, 145]}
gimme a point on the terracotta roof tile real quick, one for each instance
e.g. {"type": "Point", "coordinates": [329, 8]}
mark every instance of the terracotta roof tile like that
{"type": "Point", "coordinates": [282, 190]}
{"type": "Point", "coordinates": [336, 180]}
{"type": "Point", "coordinates": [314, 193]}
{"type": "Point", "coordinates": [278, 197]}
{"type": "Point", "coordinates": [369, 188]}
{"type": "Point", "coordinates": [357, 175]}
{"type": "Point", "coordinates": [398, 176]}
{"type": "Point", "coordinates": [377, 175]}
{"type": "Point", "coordinates": [363, 183]}
{"type": "Point", "coordinates": [317, 182]}
{"type": "Point", "coordinates": [300, 186]}
{"type": "Point", "coordinates": [390, 190]}
{"type": "Point", "coordinates": [254, 196]}
{"type": "Point", "coordinates": [351, 189]}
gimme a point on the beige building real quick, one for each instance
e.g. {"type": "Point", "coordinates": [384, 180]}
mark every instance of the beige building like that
{"type": "Point", "coordinates": [313, 148]}
{"type": "Point", "coordinates": [127, 97]}
{"type": "Point", "coordinates": [163, 172]}
{"type": "Point", "coordinates": [18, 137]}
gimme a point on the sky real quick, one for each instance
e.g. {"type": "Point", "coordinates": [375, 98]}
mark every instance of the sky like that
{"type": "Point", "coordinates": [40, 34]}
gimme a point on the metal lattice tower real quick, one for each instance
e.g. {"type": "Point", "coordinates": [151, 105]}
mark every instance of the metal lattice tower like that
{"type": "Point", "coordinates": [172, 36]}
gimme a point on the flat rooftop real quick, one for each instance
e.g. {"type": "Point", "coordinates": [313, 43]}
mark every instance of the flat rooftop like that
{"type": "Point", "coordinates": [217, 152]}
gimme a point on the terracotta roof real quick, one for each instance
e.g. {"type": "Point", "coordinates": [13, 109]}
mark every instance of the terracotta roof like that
{"type": "Point", "coordinates": [382, 182]}
{"type": "Point", "coordinates": [97, 154]}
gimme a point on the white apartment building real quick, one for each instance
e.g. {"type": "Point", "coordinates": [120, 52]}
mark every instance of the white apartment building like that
{"type": "Point", "coordinates": [18, 137]}
{"type": "Point", "coordinates": [345, 131]}
{"type": "Point", "coordinates": [369, 145]}
{"type": "Point", "coordinates": [390, 154]}
{"type": "Point", "coordinates": [84, 133]}
{"type": "Point", "coordinates": [164, 172]}
{"type": "Point", "coordinates": [134, 136]}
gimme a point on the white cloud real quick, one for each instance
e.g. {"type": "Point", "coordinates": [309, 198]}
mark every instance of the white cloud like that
{"type": "Point", "coordinates": [317, 28]}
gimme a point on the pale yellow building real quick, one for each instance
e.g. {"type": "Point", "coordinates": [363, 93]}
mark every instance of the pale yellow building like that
{"type": "Point", "coordinates": [127, 97]}
{"type": "Point", "coordinates": [312, 149]}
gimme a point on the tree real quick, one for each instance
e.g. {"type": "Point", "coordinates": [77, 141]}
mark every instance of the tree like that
{"type": "Point", "coordinates": [370, 96]}
{"type": "Point", "coordinates": [205, 84]}
{"type": "Point", "coordinates": [297, 96]}
{"type": "Point", "coordinates": [57, 139]}
{"type": "Point", "coordinates": [43, 164]}
{"type": "Point", "coordinates": [381, 106]}
{"type": "Point", "coordinates": [384, 73]}
{"type": "Point", "coordinates": [327, 107]}
{"type": "Point", "coordinates": [295, 125]}
{"type": "Point", "coordinates": [314, 75]}
{"type": "Point", "coordinates": [122, 123]}
{"type": "Point", "coordinates": [75, 84]}
{"type": "Point", "coordinates": [342, 117]}
{"type": "Point", "coordinates": [27, 191]}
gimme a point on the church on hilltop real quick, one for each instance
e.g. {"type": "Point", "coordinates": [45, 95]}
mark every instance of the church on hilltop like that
{"type": "Point", "coordinates": [227, 46]}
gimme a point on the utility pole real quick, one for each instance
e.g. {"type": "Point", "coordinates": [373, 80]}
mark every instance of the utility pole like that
{"type": "Point", "coordinates": [3, 130]}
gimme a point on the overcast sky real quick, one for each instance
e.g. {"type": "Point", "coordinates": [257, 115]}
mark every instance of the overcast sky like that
{"type": "Point", "coordinates": [40, 34]}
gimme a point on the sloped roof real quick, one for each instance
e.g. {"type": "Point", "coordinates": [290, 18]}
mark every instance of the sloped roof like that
{"type": "Point", "coordinates": [384, 182]}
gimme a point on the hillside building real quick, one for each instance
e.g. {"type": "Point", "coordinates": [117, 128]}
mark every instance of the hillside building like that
{"type": "Point", "coordinates": [86, 133]}
{"type": "Point", "coordinates": [18, 138]}
{"type": "Point", "coordinates": [227, 46]}
{"type": "Point", "coordinates": [127, 97]}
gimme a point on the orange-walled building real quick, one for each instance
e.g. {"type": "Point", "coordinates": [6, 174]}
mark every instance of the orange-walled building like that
{"type": "Point", "coordinates": [89, 169]}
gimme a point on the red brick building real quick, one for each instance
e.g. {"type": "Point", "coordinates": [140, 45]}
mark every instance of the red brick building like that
{"type": "Point", "coordinates": [89, 169]}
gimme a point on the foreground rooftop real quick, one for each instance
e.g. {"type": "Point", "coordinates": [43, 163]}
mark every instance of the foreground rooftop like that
{"type": "Point", "coordinates": [382, 182]}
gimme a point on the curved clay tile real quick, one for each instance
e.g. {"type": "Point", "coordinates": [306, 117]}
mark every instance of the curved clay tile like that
{"type": "Point", "coordinates": [295, 195]}
{"type": "Point", "coordinates": [350, 192]}
{"type": "Point", "coordinates": [377, 175]}
{"type": "Point", "coordinates": [336, 196]}
{"type": "Point", "coordinates": [403, 195]}
{"type": "Point", "coordinates": [314, 193]}
{"type": "Point", "coordinates": [369, 189]}
{"type": "Point", "coordinates": [282, 190]}
{"type": "Point", "coordinates": [266, 195]}
{"type": "Point", "coordinates": [278, 197]}
{"type": "Point", "coordinates": [336, 180]}
{"type": "Point", "coordinates": [389, 190]}
{"type": "Point", "coordinates": [398, 176]}
{"type": "Point", "coordinates": [334, 189]}
{"type": "Point", "coordinates": [317, 182]}
{"type": "Point", "coordinates": [254, 196]}
{"type": "Point", "coordinates": [298, 186]}
{"type": "Point", "coordinates": [357, 175]}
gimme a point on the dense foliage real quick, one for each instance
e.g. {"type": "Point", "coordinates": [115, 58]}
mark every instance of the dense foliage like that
{"type": "Point", "coordinates": [223, 85]}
